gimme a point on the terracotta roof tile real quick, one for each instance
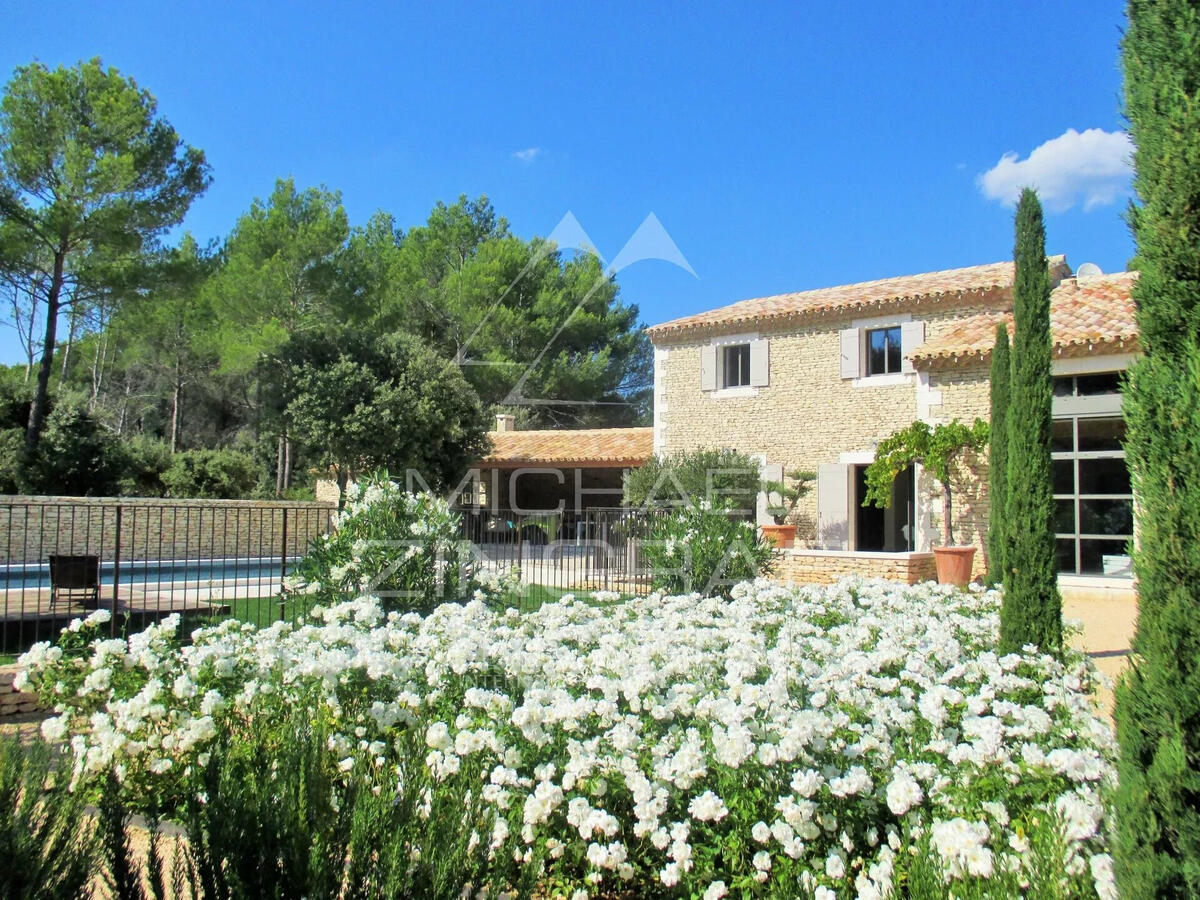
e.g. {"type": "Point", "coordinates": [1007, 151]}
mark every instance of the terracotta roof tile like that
{"type": "Point", "coordinates": [588, 446]}
{"type": "Point", "coordinates": [930, 285]}
{"type": "Point", "coordinates": [1084, 313]}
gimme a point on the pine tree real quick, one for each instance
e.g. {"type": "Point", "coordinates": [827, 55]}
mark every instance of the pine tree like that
{"type": "Point", "coordinates": [1157, 845]}
{"type": "Point", "coordinates": [1001, 378]}
{"type": "Point", "coordinates": [1032, 610]}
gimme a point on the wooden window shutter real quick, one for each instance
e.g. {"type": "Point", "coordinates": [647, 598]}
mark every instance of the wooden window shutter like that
{"type": "Point", "coordinates": [851, 349]}
{"type": "Point", "coordinates": [912, 336]}
{"type": "Point", "coordinates": [833, 506]}
{"type": "Point", "coordinates": [708, 368]}
{"type": "Point", "coordinates": [760, 363]}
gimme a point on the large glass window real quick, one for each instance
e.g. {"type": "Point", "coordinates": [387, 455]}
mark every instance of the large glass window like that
{"type": "Point", "coordinates": [1092, 493]}
{"type": "Point", "coordinates": [883, 351]}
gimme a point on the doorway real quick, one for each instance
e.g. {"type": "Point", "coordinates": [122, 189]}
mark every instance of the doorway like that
{"type": "Point", "coordinates": [890, 530]}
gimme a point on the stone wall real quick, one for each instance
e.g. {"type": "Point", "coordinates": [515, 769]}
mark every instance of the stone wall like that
{"type": "Point", "coordinates": [31, 528]}
{"type": "Point", "coordinates": [827, 566]}
{"type": "Point", "coordinates": [13, 702]}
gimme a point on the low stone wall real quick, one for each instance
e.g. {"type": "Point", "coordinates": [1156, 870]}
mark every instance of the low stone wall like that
{"type": "Point", "coordinates": [31, 528]}
{"type": "Point", "coordinates": [13, 702]}
{"type": "Point", "coordinates": [827, 566]}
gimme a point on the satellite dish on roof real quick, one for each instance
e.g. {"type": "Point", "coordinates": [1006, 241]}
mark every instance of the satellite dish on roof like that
{"type": "Point", "coordinates": [1088, 270]}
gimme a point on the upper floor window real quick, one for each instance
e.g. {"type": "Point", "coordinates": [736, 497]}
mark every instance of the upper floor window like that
{"type": "Point", "coordinates": [1094, 385]}
{"type": "Point", "coordinates": [735, 365]}
{"type": "Point", "coordinates": [738, 362]}
{"type": "Point", "coordinates": [883, 350]}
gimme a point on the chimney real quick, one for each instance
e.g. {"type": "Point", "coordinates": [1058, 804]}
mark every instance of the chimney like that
{"type": "Point", "coordinates": [506, 422]}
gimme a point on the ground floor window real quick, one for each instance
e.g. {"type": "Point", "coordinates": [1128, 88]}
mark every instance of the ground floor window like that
{"type": "Point", "coordinates": [1093, 497]}
{"type": "Point", "coordinates": [890, 530]}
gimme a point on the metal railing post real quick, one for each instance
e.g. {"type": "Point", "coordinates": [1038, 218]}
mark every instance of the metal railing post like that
{"type": "Point", "coordinates": [283, 554]}
{"type": "Point", "coordinates": [116, 570]}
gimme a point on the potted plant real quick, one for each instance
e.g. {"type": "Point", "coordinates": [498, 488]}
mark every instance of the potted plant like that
{"type": "Point", "coordinates": [939, 450]}
{"type": "Point", "coordinates": [782, 497]}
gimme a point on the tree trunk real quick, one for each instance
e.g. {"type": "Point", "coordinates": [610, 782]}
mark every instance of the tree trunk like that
{"type": "Point", "coordinates": [287, 462]}
{"type": "Point", "coordinates": [279, 466]}
{"type": "Point", "coordinates": [947, 526]}
{"type": "Point", "coordinates": [98, 361]}
{"type": "Point", "coordinates": [37, 410]}
{"type": "Point", "coordinates": [70, 341]}
{"type": "Point", "coordinates": [124, 410]}
{"type": "Point", "coordinates": [343, 475]}
{"type": "Point", "coordinates": [176, 398]}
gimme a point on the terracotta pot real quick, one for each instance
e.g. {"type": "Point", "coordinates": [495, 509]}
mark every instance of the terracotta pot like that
{"type": "Point", "coordinates": [954, 564]}
{"type": "Point", "coordinates": [782, 536]}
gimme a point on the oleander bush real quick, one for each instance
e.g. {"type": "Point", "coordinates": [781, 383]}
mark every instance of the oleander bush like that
{"type": "Point", "coordinates": [862, 739]}
{"type": "Point", "coordinates": [407, 549]}
{"type": "Point", "coordinates": [705, 550]}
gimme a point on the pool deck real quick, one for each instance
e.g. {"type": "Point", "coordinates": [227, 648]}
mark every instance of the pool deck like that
{"type": "Point", "coordinates": [204, 598]}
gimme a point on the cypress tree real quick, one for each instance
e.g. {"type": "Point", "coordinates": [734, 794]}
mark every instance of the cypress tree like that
{"type": "Point", "coordinates": [1157, 846]}
{"type": "Point", "coordinates": [1032, 610]}
{"type": "Point", "coordinates": [1001, 377]}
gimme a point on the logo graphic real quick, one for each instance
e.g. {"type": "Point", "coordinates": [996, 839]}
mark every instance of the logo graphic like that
{"type": "Point", "coordinates": [649, 241]}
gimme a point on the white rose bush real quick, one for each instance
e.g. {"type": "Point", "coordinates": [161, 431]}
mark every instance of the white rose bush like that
{"type": "Point", "coordinates": [856, 740]}
{"type": "Point", "coordinates": [404, 548]}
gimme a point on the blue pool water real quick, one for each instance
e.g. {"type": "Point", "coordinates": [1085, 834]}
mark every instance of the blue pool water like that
{"type": "Point", "coordinates": [264, 570]}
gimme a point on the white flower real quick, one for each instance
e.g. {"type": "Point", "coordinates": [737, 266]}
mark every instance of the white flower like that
{"type": "Point", "coordinates": [1080, 816]}
{"type": "Point", "coordinates": [54, 729]}
{"type": "Point", "coordinates": [962, 845]}
{"type": "Point", "coordinates": [715, 891]}
{"type": "Point", "coordinates": [708, 807]}
{"type": "Point", "coordinates": [835, 865]}
{"type": "Point", "coordinates": [903, 793]}
{"type": "Point", "coordinates": [761, 832]}
{"type": "Point", "coordinates": [1101, 866]}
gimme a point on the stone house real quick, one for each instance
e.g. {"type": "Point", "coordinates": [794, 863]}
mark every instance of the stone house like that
{"type": "Point", "coordinates": [557, 470]}
{"type": "Point", "coordinates": [815, 379]}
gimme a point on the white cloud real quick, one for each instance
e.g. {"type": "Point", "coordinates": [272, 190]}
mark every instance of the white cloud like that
{"type": "Point", "coordinates": [1090, 167]}
{"type": "Point", "coordinates": [528, 155]}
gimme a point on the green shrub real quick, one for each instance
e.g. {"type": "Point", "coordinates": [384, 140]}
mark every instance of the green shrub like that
{"type": "Point", "coordinates": [725, 478]}
{"type": "Point", "coordinates": [215, 474]}
{"type": "Point", "coordinates": [143, 461]}
{"type": "Point", "coordinates": [76, 457]}
{"type": "Point", "coordinates": [706, 550]}
{"type": "Point", "coordinates": [46, 843]}
{"type": "Point", "coordinates": [407, 549]}
{"type": "Point", "coordinates": [12, 448]}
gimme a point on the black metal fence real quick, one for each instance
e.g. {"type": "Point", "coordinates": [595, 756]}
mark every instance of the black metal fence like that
{"type": "Point", "coordinates": [549, 554]}
{"type": "Point", "coordinates": [208, 560]}
{"type": "Point", "coordinates": [146, 559]}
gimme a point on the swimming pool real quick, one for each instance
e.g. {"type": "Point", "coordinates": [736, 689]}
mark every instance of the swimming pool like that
{"type": "Point", "coordinates": [257, 570]}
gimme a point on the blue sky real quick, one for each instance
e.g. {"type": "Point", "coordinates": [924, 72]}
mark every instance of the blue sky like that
{"type": "Point", "coordinates": [781, 146]}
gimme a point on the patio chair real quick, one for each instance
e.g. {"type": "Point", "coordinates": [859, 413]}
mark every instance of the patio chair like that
{"type": "Point", "coordinates": [75, 577]}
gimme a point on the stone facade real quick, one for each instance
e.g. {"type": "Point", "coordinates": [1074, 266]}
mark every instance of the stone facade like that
{"type": "Point", "coordinates": [31, 528]}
